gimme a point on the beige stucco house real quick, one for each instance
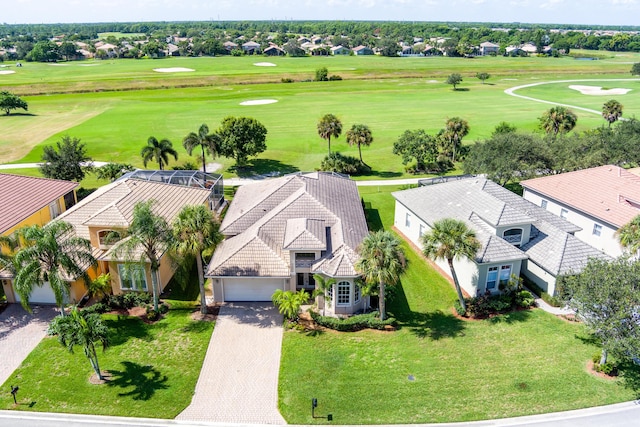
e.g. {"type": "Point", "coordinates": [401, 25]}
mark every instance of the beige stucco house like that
{"type": "Point", "coordinates": [281, 232]}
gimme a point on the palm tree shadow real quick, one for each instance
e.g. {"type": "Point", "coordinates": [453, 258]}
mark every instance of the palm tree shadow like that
{"type": "Point", "coordinates": [434, 325]}
{"type": "Point", "coordinates": [143, 380]}
{"type": "Point", "coordinates": [263, 168]}
{"type": "Point", "coordinates": [123, 328]}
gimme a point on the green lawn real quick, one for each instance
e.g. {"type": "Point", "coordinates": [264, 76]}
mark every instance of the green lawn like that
{"type": "Point", "coordinates": [517, 364]}
{"type": "Point", "coordinates": [154, 370]}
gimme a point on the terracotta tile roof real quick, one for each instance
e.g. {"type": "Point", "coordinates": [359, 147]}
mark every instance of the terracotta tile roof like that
{"type": "Point", "coordinates": [268, 218]}
{"type": "Point", "coordinates": [608, 193]}
{"type": "Point", "coordinates": [22, 196]}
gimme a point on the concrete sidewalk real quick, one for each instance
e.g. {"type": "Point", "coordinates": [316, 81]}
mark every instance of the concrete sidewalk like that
{"type": "Point", "coordinates": [238, 382]}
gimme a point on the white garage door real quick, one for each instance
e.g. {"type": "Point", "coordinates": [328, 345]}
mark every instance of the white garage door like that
{"type": "Point", "coordinates": [40, 295]}
{"type": "Point", "coordinates": [244, 289]}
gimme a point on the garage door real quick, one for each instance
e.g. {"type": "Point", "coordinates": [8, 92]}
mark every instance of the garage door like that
{"type": "Point", "coordinates": [250, 289]}
{"type": "Point", "coordinates": [40, 295]}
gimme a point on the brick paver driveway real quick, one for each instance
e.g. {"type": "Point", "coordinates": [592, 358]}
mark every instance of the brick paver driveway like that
{"type": "Point", "coordinates": [239, 378]}
{"type": "Point", "coordinates": [20, 332]}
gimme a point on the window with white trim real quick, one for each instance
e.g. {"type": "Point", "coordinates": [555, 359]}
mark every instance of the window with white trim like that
{"type": "Point", "coordinates": [492, 277]}
{"type": "Point", "coordinates": [407, 220]}
{"type": "Point", "coordinates": [344, 290]}
{"type": "Point", "coordinates": [563, 213]}
{"type": "Point", "coordinates": [421, 231]}
{"type": "Point", "coordinates": [330, 293]}
{"type": "Point", "coordinates": [357, 294]}
{"type": "Point", "coordinates": [543, 204]}
{"type": "Point", "coordinates": [132, 278]}
{"type": "Point", "coordinates": [505, 274]}
{"type": "Point", "coordinates": [597, 229]}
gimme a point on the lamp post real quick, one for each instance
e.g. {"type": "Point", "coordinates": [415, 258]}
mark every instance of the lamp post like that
{"type": "Point", "coordinates": [314, 405]}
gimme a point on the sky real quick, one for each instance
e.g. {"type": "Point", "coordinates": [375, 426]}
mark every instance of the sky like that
{"type": "Point", "coordinates": [587, 12]}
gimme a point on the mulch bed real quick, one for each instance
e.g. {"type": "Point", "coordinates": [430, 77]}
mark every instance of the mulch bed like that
{"type": "Point", "coordinates": [211, 316]}
{"type": "Point", "coordinates": [602, 375]}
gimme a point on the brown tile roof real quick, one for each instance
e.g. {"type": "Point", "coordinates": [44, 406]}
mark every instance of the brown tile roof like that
{"type": "Point", "coordinates": [267, 218]}
{"type": "Point", "coordinates": [608, 193]}
{"type": "Point", "coordinates": [22, 196]}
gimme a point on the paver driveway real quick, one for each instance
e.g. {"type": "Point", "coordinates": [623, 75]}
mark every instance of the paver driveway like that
{"type": "Point", "coordinates": [20, 332]}
{"type": "Point", "coordinates": [239, 378]}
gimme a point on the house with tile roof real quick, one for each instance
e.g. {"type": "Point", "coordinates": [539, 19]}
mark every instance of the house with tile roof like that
{"type": "Point", "coordinates": [517, 237]}
{"type": "Point", "coordinates": [103, 218]}
{"type": "Point", "coordinates": [26, 200]}
{"type": "Point", "coordinates": [281, 232]}
{"type": "Point", "coordinates": [598, 201]}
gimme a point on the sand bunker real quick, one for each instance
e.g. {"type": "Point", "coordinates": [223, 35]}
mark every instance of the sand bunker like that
{"type": "Point", "coordinates": [173, 70]}
{"type": "Point", "coordinates": [597, 90]}
{"type": "Point", "coordinates": [7, 72]}
{"type": "Point", "coordinates": [55, 64]}
{"type": "Point", "coordinates": [259, 102]}
{"type": "Point", "coordinates": [89, 65]}
{"type": "Point", "coordinates": [264, 64]}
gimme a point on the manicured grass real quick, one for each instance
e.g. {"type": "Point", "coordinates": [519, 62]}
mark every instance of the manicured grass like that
{"type": "Point", "coordinates": [154, 367]}
{"type": "Point", "coordinates": [517, 364]}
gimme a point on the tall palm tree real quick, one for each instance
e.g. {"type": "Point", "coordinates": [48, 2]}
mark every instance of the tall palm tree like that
{"type": "Point", "coordinates": [451, 239]}
{"type": "Point", "coordinates": [328, 126]}
{"type": "Point", "coordinates": [51, 255]}
{"type": "Point", "coordinates": [558, 120]}
{"type": "Point", "coordinates": [203, 140]}
{"type": "Point", "coordinates": [83, 329]}
{"type": "Point", "coordinates": [455, 129]}
{"type": "Point", "coordinates": [612, 111]}
{"type": "Point", "coordinates": [158, 151]}
{"type": "Point", "coordinates": [629, 236]}
{"type": "Point", "coordinates": [381, 262]}
{"type": "Point", "coordinates": [359, 135]}
{"type": "Point", "coordinates": [195, 230]}
{"type": "Point", "coordinates": [148, 237]}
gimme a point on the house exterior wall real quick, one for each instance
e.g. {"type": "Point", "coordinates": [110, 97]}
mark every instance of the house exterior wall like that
{"type": "Point", "coordinates": [607, 241]}
{"type": "Point", "coordinates": [526, 231]}
{"type": "Point", "coordinates": [545, 280]}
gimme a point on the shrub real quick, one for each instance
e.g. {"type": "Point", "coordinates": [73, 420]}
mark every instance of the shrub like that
{"type": "Point", "coordinates": [322, 74]}
{"type": "Point", "coordinates": [163, 308]}
{"type": "Point", "coordinates": [353, 323]}
{"type": "Point", "coordinates": [130, 300]}
{"type": "Point", "coordinates": [152, 314]}
{"type": "Point", "coordinates": [286, 80]}
{"type": "Point", "coordinates": [336, 162]}
{"type": "Point", "coordinates": [524, 299]}
{"type": "Point", "coordinates": [96, 308]}
{"type": "Point", "coordinates": [609, 368]}
{"type": "Point", "coordinates": [459, 309]}
{"type": "Point", "coordinates": [334, 77]}
{"type": "Point", "coordinates": [596, 358]}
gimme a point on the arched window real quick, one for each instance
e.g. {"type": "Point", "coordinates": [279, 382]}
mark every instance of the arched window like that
{"type": "Point", "coordinates": [513, 236]}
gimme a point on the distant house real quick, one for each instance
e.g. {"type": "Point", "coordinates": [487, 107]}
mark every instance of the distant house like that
{"type": "Point", "coordinates": [598, 201]}
{"type": "Point", "coordinates": [316, 40]}
{"type": "Point", "coordinates": [340, 50]}
{"type": "Point", "coordinates": [173, 50]}
{"type": "Point", "coordinates": [303, 40]}
{"type": "Point", "coordinates": [281, 232]}
{"type": "Point", "coordinates": [251, 47]}
{"type": "Point", "coordinates": [517, 237]}
{"type": "Point", "coordinates": [488, 48]}
{"type": "Point", "coordinates": [229, 45]}
{"type": "Point", "coordinates": [274, 50]}
{"type": "Point", "coordinates": [407, 51]}
{"type": "Point", "coordinates": [24, 201]}
{"type": "Point", "coordinates": [362, 50]}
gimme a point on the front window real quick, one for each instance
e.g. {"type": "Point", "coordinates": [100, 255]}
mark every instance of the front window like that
{"type": "Point", "coordinates": [597, 229]}
{"type": "Point", "coordinates": [421, 232]}
{"type": "Point", "coordinates": [305, 256]}
{"type": "Point", "coordinates": [543, 204]}
{"type": "Point", "coordinates": [492, 277]}
{"type": "Point", "coordinates": [132, 277]}
{"type": "Point", "coordinates": [407, 220]}
{"type": "Point", "coordinates": [505, 274]}
{"type": "Point", "coordinates": [344, 289]}
{"type": "Point", "coordinates": [563, 213]}
{"type": "Point", "coordinates": [357, 293]}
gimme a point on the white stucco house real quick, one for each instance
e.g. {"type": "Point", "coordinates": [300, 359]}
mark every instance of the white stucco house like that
{"type": "Point", "coordinates": [517, 237]}
{"type": "Point", "coordinates": [598, 201]}
{"type": "Point", "coordinates": [280, 232]}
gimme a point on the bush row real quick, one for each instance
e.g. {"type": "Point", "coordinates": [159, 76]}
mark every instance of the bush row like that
{"type": "Point", "coordinates": [487, 305]}
{"type": "Point", "coordinates": [353, 323]}
{"type": "Point", "coordinates": [336, 162]}
{"type": "Point", "coordinates": [551, 300]}
{"type": "Point", "coordinates": [128, 300]}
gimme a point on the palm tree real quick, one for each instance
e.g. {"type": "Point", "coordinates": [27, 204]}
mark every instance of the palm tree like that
{"type": "Point", "coordinates": [558, 120]}
{"type": "Point", "coordinates": [359, 135]}
{"type": "Point", "coordinates": [204, 141]}
{"type": "Point", "coordinates": [148, 236]}
{"type": "Point", "coordinates": [381, 262]}
{"type": "Point", "coordinates": [289, 303]}
{"type": "Point", "coordinates": [195, 230]}
{"type": "Point", "coordinates": [629, 235]}
{"type": "Point", "coordinates": [158, 151]}
{"type": "Point", "coordinates": [455, 129]}
{"type": "Point", "coordinates": [51, 255]}
{"type": "Point", "coordinates": [612, 111]}
{"type": "Point", "coordinates": [450, 239]}
{"type": "Point", "coordinates": [8, 246]}
{"type": "Point", "coordinates": [323, 285]}
{"type": "Point", "coordinates": [328, 126]}
{"type": "Point", "coordinates": [83, 329]}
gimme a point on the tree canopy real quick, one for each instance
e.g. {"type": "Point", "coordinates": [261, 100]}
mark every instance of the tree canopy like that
{"type": "Point", "coordinates": [329, 126]}
{"type": "Point", "coordinates": [241, 138]}
{"type": "Point", "coordinates": [612, 111]}
{"type": "Point", "coordinates": [454, 79]}
{"type": "Point", "coordinates": [158, 151]}
{"type": "Point", "coordinates": [9, 102]}
{"type": "Point", "coordinates": [202, 139]}
{"type": "Point", "coordinates": [113, 171]}
{"type": "Point", "coordinates": [69, 162]}
{"type": "Point", "coordinates": [359, 135]}
{"type": "Point", "coordinates": [558, 120]}
{"type": "Point", "coordinates": [419, 146]}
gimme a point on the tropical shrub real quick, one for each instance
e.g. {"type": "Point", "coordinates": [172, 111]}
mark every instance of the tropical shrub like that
{"type": "Point", "coordinates": [336, 162]}
{"type": "Point", "coordinates": [353, 323]}
{"type": "Point", "coordinates": [289, 303]}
